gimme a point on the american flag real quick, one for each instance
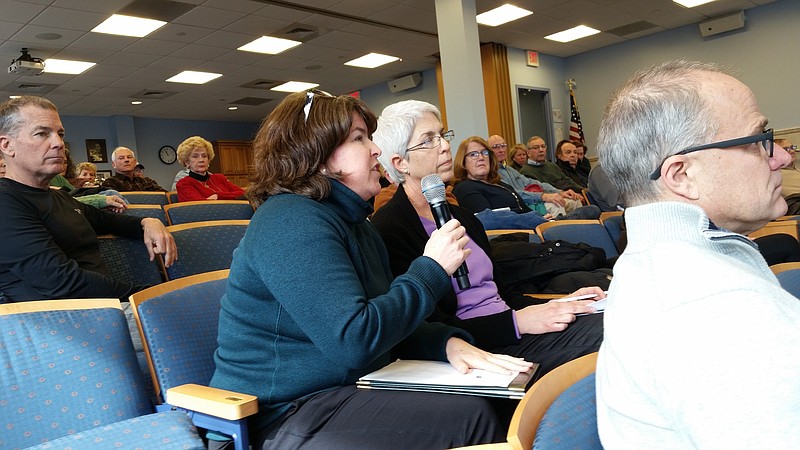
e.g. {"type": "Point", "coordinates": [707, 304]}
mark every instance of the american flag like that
{"type": "Point", "coordinates": [575, 127]}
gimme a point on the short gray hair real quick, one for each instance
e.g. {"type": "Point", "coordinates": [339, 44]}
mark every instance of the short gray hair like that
{"type": "Point", "coordinates": [395, 125]}
{"type": "Point", "coordinates": [10, 118]}
{"type": "Point", "coordinates": [114, 153]}
{"type": "Point", "coordinates": [656, 113]}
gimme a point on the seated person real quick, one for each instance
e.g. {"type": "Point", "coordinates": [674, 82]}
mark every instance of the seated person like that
{"type": "Point", "coordinates": [181, 173]}
{"type": "Point", "coordinates": [50, 248]}
{"type": "Point", "coordinates": [790, 174]}
{"type": "Point", "coordinates": [414, 144]}
{"type": "Point", "coordinates": [2, 166]}
{"type": "Point", "coordinates": [124, 180]}
{"type": "Point", "coordinates": [519, 156]}
{"type": "Point", "coordinates": [557, 202]}
{"type": "Point", "coordinates": [298, 331]}
{"type": "Point", "coordinates": [604, 193]}
{"type": "Point", "coordinates": [196, 154]}
{"type": "Point", "coordinates": [567, 161]}
{"type": "Point", "coordinates": [110, 200]}
{"type": "Point", "coordinates": [88, 173]}
{"type": "Point", "coordinates": [545, 171]}
{"type": "Point", "coordinates": [584, 166]}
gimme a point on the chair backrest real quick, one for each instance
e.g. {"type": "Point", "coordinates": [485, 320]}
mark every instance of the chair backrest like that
{"type": "Point", "coordinates": [527, 422]}
{"type": "Point", "coordinates": [613, 225]}
{"type": "Point", "coordinates": [65, 366]}
{"type": "Point", "coordinates": [775, 227]}
{"type": "Point", "coordinates": [591, 232]}
{"type": "Point", "coordinates": [788, 275]}
{"type": "Point", "coordinates": [145, 197]}
{"type": "Point", "coordinates": [128, 260]}
{"type": "Point", "coordinates": [172, 196]}
{"type": "Point", "coordinates": [532, 236]}
{"type": "Point", "coordinates": [588, 196]}
{"type": "Point", "coordinates": [185, 212]}
{"type": "Point", "coordinates": [205, 246]}
{"type": "Point", "coordinates": [154, 211]}
{"type": "Point", "coordinates": [178, 322]}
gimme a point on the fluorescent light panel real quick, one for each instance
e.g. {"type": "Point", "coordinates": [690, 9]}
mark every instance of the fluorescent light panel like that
{"type": "Point", "coordinates": [192, 77]}
{"type": "Point", "coordinates": [128, 26]}
{"type": "Point", "coordinates": [501, 14]}
{"type": "Point", "coordinates": [581, 31]}
{"type": "Point", "coordinates": [692, 3]}
{"type": "Point", "coordinates": [294, 86]}
{"type": "Point", "coordinates": [66, 66]}
{"type": "Point", "coordinates": [269, 45]}
{"type": "Point", "coordinates": [372, 60]}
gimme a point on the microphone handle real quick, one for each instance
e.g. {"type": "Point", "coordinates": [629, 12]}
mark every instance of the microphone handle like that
{"type": "Point", "coordinates": [441, 214]}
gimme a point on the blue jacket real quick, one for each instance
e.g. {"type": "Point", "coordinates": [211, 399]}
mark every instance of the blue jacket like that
{"type": "Point", "coordinates": [311, 306]}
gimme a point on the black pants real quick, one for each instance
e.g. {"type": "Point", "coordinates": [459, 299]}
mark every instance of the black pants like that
{"type": "Point", "coordinates": [351, 418]}
{"type": "Point", "coordinates": [778, 248]}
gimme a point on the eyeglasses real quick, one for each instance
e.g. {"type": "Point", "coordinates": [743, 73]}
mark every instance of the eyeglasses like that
{"type": "Point", "coordinates": [537, 147]}
{"type": "Point", "coordinates": [310, 99]}
{"type": "Point", "coordinates": [791, 148]}
{"type": "Point", "coordinates": [766, 139]}
{"type": "Point", "coordinates": [499, 145]}
{"type": "Point", "coordinates": [474, 155]}
{"type": "Point", "coordinates": [433, 141]}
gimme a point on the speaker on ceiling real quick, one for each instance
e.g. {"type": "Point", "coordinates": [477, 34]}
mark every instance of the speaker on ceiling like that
{"type": "Point", "coordinates": [722, 24]}
{"type": "Point", "coordinates": [406, 82]}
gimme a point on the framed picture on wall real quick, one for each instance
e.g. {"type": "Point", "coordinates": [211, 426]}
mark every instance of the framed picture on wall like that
{"type": "Point", "coordinates": [96, 151]}
{"type": "Point", "coordinates": [103, 174]}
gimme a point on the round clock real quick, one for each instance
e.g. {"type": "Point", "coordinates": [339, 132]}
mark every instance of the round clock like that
{"type": "Point", "coordinates": [167, 154]}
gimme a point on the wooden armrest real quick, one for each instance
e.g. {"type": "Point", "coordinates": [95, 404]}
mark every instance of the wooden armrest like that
{"type": "Point", "coordinates": [498, 446]}
{"type": "Point", "coordinates": [545, 296]}
{"type": "Point", "coordinates": [212, 401]}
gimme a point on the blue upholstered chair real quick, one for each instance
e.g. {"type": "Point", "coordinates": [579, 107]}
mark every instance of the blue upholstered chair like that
{"type": "Point", "coordinates": [69, 379]}
{"type": "Point", "coordinates": [613, 224]}
{"type": "Point", "coordinates": [178, 323]}
{"type": "Point", "coordinates": [789, 276]}
{"type": "Point", "coordinates": [205, 246]}
{"type": "Point", "coordinates": [532, 236]}
{"type": "Point", "coordinates": [201, 211]}
{"type": "Point", "coordinates": [154, 211]}
{"type": "Point", "coordinates": [172, 196]}
{"type": "Point", "coordinates": [145, 197]}
{"type": "Point", "coordinates": [590, 232]}
{"type": "Point", "coordinates": [128, 260]}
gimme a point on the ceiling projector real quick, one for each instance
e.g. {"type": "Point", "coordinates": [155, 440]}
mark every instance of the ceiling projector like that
{"type": "Point", "coordinates": [26, 65]}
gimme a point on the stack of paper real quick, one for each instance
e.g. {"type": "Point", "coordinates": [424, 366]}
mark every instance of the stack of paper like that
{"type": "Point", "coordinates": [437, 376]}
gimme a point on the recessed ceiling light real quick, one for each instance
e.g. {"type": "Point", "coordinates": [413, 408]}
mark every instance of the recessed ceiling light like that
{"type": "Point", "coordinates": [692, 3]}
{"type": "Point", "coordinates": [136, 102]}
{"type": "Point", "coordinates": [294, 86]}
{"type": "Point", "coordinates": [66, 66]}
{"type": "Point", "coordinates": [232, 108]}
{"type": "Point", "coordinates": [193, 77]}
{"type": "Point", "coordinates": [14, 96]}
{"type": "Point", "coordinates": [128, 26]}
{"type": "Point", "coordinates": [501, 14]}
{"type": "Point", "coordinates": [269, 45]}
{"type": "Point", "coordinates": [581, 31]}
{"type": "Point", "coordinates": [371, 60]}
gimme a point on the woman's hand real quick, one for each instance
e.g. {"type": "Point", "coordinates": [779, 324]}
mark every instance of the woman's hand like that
{"type": "Point", "coordinates": [116, 204]}
{"type": "Point", "coordinates": [446, 246]}
{"type": "Point", "coordinates": [553, 198]}
{"type": "Point", "coordinates": [551, 316]}
{"type": "Point", "coordinates": [464, 356]}
{"type": "Point", "coordinates": [212, 197]}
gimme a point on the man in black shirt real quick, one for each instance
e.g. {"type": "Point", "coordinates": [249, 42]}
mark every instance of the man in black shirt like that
{"type": "Point", "coordinates": [50, 247]}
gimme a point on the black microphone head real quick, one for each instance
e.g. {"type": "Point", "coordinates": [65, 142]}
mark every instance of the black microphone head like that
{"type": "Point", "coordinates": [433, 188]}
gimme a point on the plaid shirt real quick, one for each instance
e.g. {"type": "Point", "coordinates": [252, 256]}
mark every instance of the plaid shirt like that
{"type": "Point", "coordinates": [123, 183]}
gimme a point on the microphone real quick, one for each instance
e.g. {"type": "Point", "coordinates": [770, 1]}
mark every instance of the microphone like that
{"type": "Point", "coordinates": [433, 190]}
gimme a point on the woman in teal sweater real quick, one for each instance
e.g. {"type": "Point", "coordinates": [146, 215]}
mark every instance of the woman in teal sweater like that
{"type": "Point", "coordinates": [311, 303]}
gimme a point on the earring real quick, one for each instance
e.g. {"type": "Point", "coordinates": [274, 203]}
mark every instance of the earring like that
{"type": "Point", "coordinates": [406, 172]}
{"type": "Point", "coordinates": [324, 171]}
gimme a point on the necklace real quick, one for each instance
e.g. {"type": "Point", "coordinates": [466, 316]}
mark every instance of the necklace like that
{"type": "Point", "coordinates": [421, 211]}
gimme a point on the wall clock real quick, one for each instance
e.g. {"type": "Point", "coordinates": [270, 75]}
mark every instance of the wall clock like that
{"type": "Point", "coordinates": [167, 154]}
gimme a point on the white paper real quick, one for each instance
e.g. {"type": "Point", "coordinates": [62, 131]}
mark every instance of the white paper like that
{"type": "Point", "coordinates": [437, 373]}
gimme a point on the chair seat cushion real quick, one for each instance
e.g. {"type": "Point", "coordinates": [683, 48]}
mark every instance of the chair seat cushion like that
{"type": "Point", "coordinates": [164, 430]}
{"type": "Point", "coordinates": [571, 420]}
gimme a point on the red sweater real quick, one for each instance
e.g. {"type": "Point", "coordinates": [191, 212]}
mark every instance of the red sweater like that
{"type": "Point", "coordinates": [190, 189]}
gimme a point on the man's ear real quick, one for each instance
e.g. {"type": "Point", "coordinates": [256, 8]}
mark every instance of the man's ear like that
{"type": "Point", "coordinates": [5, 145]}
{"type": "Point", "coordinates": [678, 177]}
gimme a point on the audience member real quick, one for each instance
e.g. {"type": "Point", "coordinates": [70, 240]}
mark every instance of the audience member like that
{"type": "Point", "coordinates": [567, 161]}
{"type": "Point", "coordinates": [701, 347]}
{"type": "Point", "coordinates": [557, 202]}
{"type": "Point", "coordinates": [790, 173]}
{"type": "Point", "coordinates": [87, 171]}
{"type": "Point", "coordinates": [50, 246]}
{"type": "Point", "coordinates": [2, 166]}
{"type": "Point", "coordinates": [110, 200]}
{"type": "Point", "coordinates": [297, 332]}
{"type": "Point", "coordinates": [584, 166]}
{"type": "Point", "coordinates": [196, 154]}
{"type": "Point", "coordinates": [181, 173]}
{"type": "Point", "coordinates": [518, 156]}
{"type": "Point", "coordinates": [138, 171]}
{"type": "Point", "coordinates": [603, 192]}
{"type": "Point", "coordinates": [124, 163]}
{"type": "Point", "coordinates": [414, 144]}
{"type": "Point", "coordinates": [545, 171]}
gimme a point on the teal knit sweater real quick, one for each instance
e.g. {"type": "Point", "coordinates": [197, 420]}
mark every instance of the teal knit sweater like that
{"type": "Point", "coordinates": [311, 306]}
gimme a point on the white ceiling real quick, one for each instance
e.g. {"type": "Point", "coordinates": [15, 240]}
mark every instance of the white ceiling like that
{"type": "Point", "coordinates": [206, 37]}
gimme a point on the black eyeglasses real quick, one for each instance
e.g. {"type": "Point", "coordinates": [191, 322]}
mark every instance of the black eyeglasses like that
{"type": "Point", "coordinates": [310, 99]}
{"type": "Point", "coordinates": [433, 141]}
{"type": "Point", "coordinates": [766, 139]}
{"type": "Point", "coordinates": [474, 155]}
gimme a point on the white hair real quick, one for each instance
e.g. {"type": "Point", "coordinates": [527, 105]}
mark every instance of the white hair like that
{"type": "Point", "coordinates": [395, 125]}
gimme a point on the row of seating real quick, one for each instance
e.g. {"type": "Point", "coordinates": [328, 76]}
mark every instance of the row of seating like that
{"type": "Point", "coordinates": [150, 197]}
{"type": "Point", "coordinates": [186, 212]}
{"type": "Point", "coordinates": [202, 247]}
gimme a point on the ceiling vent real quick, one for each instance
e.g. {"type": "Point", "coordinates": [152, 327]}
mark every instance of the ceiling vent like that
{"type": "Point", "coordinates": [261, 84]}
{"type": "Point", "coordinates": [165, 10]}
{"type": "Point", "coordinates": [150, 94]}
{"type": "Point", "coordinates": [29, 88]}
{"type": "Point", "coordinates": [297, 32]}
{"type": "Point", "coordinates": [632, 28]}
{"type": "Point", "coordinates": [251, 101]}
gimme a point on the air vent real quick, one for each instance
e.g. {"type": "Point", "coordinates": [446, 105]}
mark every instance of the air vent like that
{"type": "Point", "coordinates": [166, 10]}
{"type": "Point", "coordinates": [297, 32]}
{"type": "Point", "coordinates": [261, 84]}
{"type": "Point", "coordinates": [632, 28]}
{"type": "Point", "coordinates": [29, 88]}
{"type": "Point", "coordinates": [251, 101]}
{"type": "Point", "coordinates": [149, 94]}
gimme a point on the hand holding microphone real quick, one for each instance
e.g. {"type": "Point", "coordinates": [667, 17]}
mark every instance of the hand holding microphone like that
{"type": "Point", "coordinates": [434, 192]}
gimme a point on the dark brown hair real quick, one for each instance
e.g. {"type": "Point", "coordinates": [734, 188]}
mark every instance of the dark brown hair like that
{"type": "Point", "coordinates": [290, 150]}
{"type": "Point", "coordinates": [459, 168]}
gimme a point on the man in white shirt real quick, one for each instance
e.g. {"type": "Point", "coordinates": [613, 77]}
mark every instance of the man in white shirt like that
{"type": "Point", "coordinates": [701, 344]}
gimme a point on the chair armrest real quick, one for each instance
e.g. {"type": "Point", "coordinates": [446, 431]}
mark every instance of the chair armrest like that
{"type": "Point", "coordinates": [545, 296]}
{"type": "Point", "coordinates": [498, 446]}
{"type": "Point", "coordinates": [212, 401]}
